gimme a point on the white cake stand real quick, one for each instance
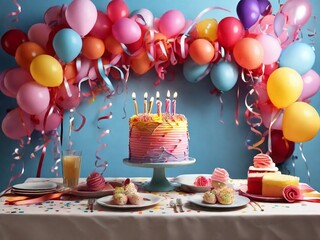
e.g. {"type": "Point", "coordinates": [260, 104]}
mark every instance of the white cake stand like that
{"type": "Point", "coordinates": [159, 182]}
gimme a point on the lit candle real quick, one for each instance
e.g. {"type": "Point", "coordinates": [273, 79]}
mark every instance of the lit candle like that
{"type": "Point", "coordinates": [168, 102]}
{"type": "Point", "coordinates": [174, 103]}
{"type": "Point", "coordinates": [150, 104]}
{"type": "Point", "coordinates": [145, 103]}
{"type": "Point", "coordinates": [159, 104]}
{"type": "Point", "coordinates": [135, 102]}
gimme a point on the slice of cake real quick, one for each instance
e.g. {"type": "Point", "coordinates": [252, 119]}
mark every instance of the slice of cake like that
{"type": "Point", "coordinates": [273, 184]}
{"type": "Point", "coordinates": [262, 163]}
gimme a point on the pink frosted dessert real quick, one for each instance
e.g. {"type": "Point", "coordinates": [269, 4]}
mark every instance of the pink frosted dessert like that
{"type": "Point", "coordinates": [95, 182]}
{"type": "Point", "coordinates": [120, 199]}
{"type": "Point", "coordinates": [219, 177]}
{"type": "Point", "coordinates": [135, 199]}
{"type": "Point", "coordinates": [202, 181]}
{"type": "Point", "coordinates": [262, 163]}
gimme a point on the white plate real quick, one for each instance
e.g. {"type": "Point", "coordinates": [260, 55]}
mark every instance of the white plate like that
{"type": "Point", "coordinates": [35, 186]}
{"type": "Point", "coordinates": [239, 201]}
{"type": "Point", "coordinates": [187, 182]}
{"type": "Point", "coordinates": [150, 200]}
{"type": "Point", "coordinates": [32, 193]}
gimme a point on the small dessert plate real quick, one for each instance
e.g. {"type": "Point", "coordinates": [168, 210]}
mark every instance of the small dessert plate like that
{"type": "Point", "coordinates": [149, 200]}
{"type": "Point", "coordinates": [35, 186]}
{"type": "Point", "coordinates": [243, 191]}
{"type": "Point", "coordinates": [82, 191]}
{"type": "Point", "coordinates": [239, 201]}
{"type": "Point", "coordinates": [186, 182]}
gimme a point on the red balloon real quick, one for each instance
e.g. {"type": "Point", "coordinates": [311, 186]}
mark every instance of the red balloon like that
{"type": "Point", "coordinates": [12, 39]}
{"type": "Point", "coordinates": [117, 9]}
{"type": "Point", "coordinates": [230, 31]}
{"type": "Point", "coordinates": [282, 148]}
{"type": "Point", "coordinates": [102, 27]}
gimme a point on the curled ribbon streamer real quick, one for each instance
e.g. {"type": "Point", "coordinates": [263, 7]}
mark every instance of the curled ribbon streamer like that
{"type": "Point", "coordinates": [43, 153]}
{"type": "Point", "coordinates": [274, 119]}
{"type": "Point", "coordinates": [104, 76]}
{"type": "Point", "coordinates": [18, 156]}
{"type": "Point", "coordinates": [71, 125]}
{"type": "Point", "coordinates": [99, 162]}
{"type": "Point", "coordinates": [56, 151]}
{"type": "Point", "coordinates": [237, 107]}
{"type": "Point", "coordinates": [221, 109]}
{"type": "Point", "coordinates": [304, 160]}
{"type": "Point", "coordinates": [15, 13]}
{"type": "Point", "coordinates": [67, 87]}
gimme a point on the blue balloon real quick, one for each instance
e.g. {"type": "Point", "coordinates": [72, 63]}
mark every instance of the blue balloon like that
{"type": "Point", "coordinates": [67, 44]}
{"type": "Point", "coordinates": [298, 56]}
{"type": "Point", "coordinates": [224, 75]}
{"type": "Point", "coordinates": [193, 72]}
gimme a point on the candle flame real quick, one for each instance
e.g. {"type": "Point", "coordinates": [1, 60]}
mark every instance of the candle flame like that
{"type": "Point", "coordinates": [157, 95]}
{"type": "Point", "coordinates": [175, 95]}
{"type": "Point", "coordinates": [134, 96]}
{"type": "Point", "coordinates": [168, 94]}
{"type": "Point", "coordinates": [145, 95]}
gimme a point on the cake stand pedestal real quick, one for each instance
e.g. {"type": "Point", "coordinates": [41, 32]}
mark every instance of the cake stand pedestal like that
{"type": "Point", "coordinates": [159, 182]}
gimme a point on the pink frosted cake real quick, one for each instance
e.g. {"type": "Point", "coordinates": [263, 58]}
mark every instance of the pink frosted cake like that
{"type": "Point", "coordinates": [158, 138]}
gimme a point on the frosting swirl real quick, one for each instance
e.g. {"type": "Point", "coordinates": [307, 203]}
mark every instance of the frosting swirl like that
{"type": "Point", "coordinates": [262, 160]}
{"type": "Point", "coordinates": [95, 182]}
{"type": "Point", "coordinates": [220, 175]}
{"type": "Point", "coordinates": [202, 181]}
{"type": "Point", "coordinates": [291, 194]}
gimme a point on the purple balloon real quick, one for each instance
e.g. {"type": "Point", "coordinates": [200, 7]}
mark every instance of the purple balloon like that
{"type": "Point", "coordinates": [248, 12]}
{"type": "Point", "coordinates": [264, 7]}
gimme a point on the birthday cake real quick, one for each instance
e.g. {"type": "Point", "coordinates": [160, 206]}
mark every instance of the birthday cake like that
{"type": "Point", "coordinates": [158, 138]}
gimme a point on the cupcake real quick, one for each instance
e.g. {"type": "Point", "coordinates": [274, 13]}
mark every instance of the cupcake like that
{"type": "Point", "coordinates": [209, 197]}
{"type": "Point", "coordinates": [95, 182]}
{"type": "Point", "coordinates": [135, 199]}
{"type": "Point", "coordinates": [225, 195]}
{"type": "Point", "coordinates": [129, 187]}
{"type": "Point", "coordinates": [219, 178]}
{"type": "Point", "coordinates": [120, 199]}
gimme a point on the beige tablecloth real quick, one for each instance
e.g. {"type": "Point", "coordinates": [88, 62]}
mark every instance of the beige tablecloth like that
{"type": "Point", "coordinates": [70, 219]}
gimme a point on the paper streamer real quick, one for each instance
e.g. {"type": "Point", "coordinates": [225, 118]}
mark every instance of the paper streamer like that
{"type": "Point", "coordinates": [15, 13]}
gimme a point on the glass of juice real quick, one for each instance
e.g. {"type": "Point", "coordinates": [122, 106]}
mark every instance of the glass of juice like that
{"type": "Point", "coordinates": [71, 164]}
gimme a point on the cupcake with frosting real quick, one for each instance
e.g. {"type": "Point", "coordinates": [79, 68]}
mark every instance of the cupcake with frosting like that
{"type": "Point", "coordinates": [129, 187]}
{"type": "Point", "coordinates": [219, 178]}
{"type": "Point", "coordinates": [135, 199]}
{"type": "Point", "coordinates": [225, 195]}
{"type": "Point", "coordinates": [209, 197]}
{"type": "Point", "coordinates": [95, 182]}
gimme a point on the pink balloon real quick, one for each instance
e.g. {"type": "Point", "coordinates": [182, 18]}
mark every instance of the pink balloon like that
{"type": "Point", "coordinates": [269, 113]}
{"type": "Point", "coordinates": [15, 78]}
{"type": "Point", "coordinates": [297, 12]}
{"type": "Point", "coordinates": [17, 124]}
{"type": "Point", "coordinates": [126, 30]}
{"type": "Point", "coordinates": [270, 54]}
{"type": "Point", "coordinates": [102, 27]}
{"type": "Point", "coordinates": [261, 90]}
{"type": "Point", "coordinates": [33, 98]}
{"type": "Point", "coordinates": [81, 15]}
{"type": "Point", "coordinates": [147, 16]}
{"type": "Point", "coordinates": [83, 70]}
{"type": "Point", "coordinates": [3, 88]}
{"type": "Point", "coordinates": [117, 9]}
{"type": "Point", "coordinates": [39, 33]}
{"type": "Point", "coordinates": [171, 23]}
{"type": "Point", "coordinates": [52, 122]}
{"type": "Point", "coordinates": [56, 15]}
{"type": "Point", "coordinates": [68, 102]}
{"type": "Point", "coordinates": [311, 84]}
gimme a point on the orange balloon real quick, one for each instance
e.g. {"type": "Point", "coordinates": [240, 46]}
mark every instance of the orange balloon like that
{"type": "Point", "coordinates": [70, 72]}
{"type": "Point", "coordinates": [141, 63]}
{"type": "Point", "coordinates": [92, 47]}
{"type": "Point", "coordinates": [26, 52]}
{"type": "Point", "coordinates": [112, 45]}
{"type": "Point", "coordinates": [160, 46]}
{"type": "Point", "coordinates": [201, 51]}
{"type": "Point", "coordinates": [248, 53]}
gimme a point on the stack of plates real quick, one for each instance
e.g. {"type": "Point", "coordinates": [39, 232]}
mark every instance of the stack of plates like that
{"type": "Point", "coordinates": [34, 188]}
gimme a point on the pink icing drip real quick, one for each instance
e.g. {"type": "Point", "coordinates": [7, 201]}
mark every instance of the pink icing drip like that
{"type": "Point", "coordinates": [262, 161]}
{"type": "Point", "coordinates": [95, 181]}
{"type": "Point", "coordinates": [220, 175]}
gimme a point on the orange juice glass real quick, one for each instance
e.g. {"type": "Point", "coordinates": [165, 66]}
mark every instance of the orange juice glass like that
{"type": "Point", "coordinates": [71, 164]}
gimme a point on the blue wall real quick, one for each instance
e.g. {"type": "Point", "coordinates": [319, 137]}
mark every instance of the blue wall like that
{"type": "Point", "coordinates": [212, 143]}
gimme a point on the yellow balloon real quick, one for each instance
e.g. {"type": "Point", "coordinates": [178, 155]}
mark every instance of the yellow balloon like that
{"type": "Point", "coordinates": [207, 29]}
{"type": "Point", "coordinates": [300, 122]}
{"type": "Point", "coordinates": [46, 70]}
{"type": "Point", "coordinates": [284, 87]}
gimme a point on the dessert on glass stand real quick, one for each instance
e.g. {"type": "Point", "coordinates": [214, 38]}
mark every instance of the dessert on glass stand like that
{"type": "Point", "coordinates": [158, 140]}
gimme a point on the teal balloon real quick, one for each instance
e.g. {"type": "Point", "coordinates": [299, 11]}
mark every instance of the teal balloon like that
{"type": "Point", "coordinates": [194, 72]}
{"type": "Point", "coordinates": [67, 44]}
{"type": "Point", "coordinates": [224, 75]}
{"type": "Point", "coordinates": [298, 56]}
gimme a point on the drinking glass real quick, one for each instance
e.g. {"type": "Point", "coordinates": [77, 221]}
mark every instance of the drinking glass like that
{"type": "Point", "coordinates": [71, 164]}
